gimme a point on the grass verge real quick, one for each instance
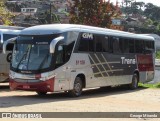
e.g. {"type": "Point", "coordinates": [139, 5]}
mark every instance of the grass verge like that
{"type": "Point", "coordinates": [149, 85]}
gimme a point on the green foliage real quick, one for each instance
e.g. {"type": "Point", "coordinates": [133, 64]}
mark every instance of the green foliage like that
{"type": "Point", "coordinates": [150, 11]}
{"type": "Point", "coordinates": [158, 27]}
{"type": "Point", "coordinates": [93, 12]}
{"type": "Point", "coordinates": [149, 85]}
{"type": "Point", "coordinates": [5, 15]}
{"type": "Point", "coordinates": [148, 22]}
{"type": "Point", "coordinates": [158, 54]}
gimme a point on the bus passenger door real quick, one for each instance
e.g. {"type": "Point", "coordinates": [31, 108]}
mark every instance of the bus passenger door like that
{"type": "Point", "coordinates": [62, 70]}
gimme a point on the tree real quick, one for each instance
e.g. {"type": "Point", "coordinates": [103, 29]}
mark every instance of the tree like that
{"type": "Point", "coordinates": [137, 7]}
{"type": "Point", "coordinates": [151, 11]}
{"type": "Point", "coordinates": [93, 12]}
{"type": "Point", "coordinates": [5, 15]}
{"type": "Point", "coordinates": [148, 22]}
{"type": "Point", "coordinates": [140, 4]}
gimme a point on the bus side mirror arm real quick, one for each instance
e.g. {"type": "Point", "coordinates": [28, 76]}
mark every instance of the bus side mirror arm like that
{"type": "Point", "coordinates": [7, 42]}
{"type": "Point", "coordinates": [54, 42]}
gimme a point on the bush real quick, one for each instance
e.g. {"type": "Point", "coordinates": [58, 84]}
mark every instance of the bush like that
{"type": "Point", "coordinates": [158, 54]}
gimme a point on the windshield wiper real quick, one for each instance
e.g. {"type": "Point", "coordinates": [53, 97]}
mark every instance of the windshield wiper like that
{"type": "Point", "coordinates": [22, 58]}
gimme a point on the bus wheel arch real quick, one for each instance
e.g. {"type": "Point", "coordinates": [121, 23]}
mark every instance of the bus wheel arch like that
{"type": "Point", "coordinates": [83, 78]}
{"type": "Point", "coordinates": [135, 79]}
{"type": "Point", "coordinates": [79, 84]}
{"type": "Point", "coordinates": [137, 72]}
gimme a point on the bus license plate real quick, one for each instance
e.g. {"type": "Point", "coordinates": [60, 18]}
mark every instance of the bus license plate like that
{"type": "Point", "coordinates": [26, 87]}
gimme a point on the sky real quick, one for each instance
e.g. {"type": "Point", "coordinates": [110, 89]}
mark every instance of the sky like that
{"type": "Point", "coordinates": [155, 2]}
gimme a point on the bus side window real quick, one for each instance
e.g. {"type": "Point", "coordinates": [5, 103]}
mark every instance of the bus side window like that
{"type": "Point", "coordinates": [68, 51]}
{"type": "Point", "coordinates": [60, 55]}
{"type": "Point", "coordinates": [139, 46]}
{"type": "Point", "coordinates": [149, 46]}
{"type": "Point", "coordinates": [98, 43]}
{"type": "Point", "coordinates": [86, 44]}
{"type": "Point", "coordinates": [116, 47]}
{"type": "Point", "coordinates": [121, 41]}
{"type": "Point", "coordinates": [153, 45]}
{"type": "Point", "coordinates": [131, 46]}
{"type": "Point", "coordinates": [125, 45]}
{"type": "Point", "coordinates": [101, 43]}
{"type": "Point", "coordinates": [105, 44]}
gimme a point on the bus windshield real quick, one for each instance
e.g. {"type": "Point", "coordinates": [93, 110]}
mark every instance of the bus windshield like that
{"type": "Point", "coordinates": [31, 57]}
{"type": "Point", "coordinates": [32, 53]}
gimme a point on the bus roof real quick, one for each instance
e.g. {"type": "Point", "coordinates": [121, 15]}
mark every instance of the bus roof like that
{"type": "Point", "coordinates": [60, 28]}
{"type": "Point", "coordinates": [11, 27]}
{"type": "Point", "coordinates": [10, 31]}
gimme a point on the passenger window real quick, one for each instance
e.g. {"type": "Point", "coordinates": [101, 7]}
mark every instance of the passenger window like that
{"type": "Point", "coordinates": [125, 46]}
{"type": "Point", "coordinates": [98, 43]}
{"type": "Point", "coordinates": [131, 46]}
{"type": "Point", "coordinates": [149, 45]}
{"type": "Point", "coordinates": [68, 51]}
{"type": "Point", "coordinates": [116, 48]}
{"type": "Point", "coordinates": [101, 43]}
{"type": "Point", "coordinates": [121, 42]}
{"type": "Point", "coordinates": [105, 44]}
{"type": "Point", "coordinates": [139, 46]}
{"type": "Point", "coordinates": [86, 42]}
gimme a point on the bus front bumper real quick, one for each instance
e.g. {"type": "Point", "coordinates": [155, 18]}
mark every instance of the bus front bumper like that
{"type": "Point", "coordinates": [42, 86]}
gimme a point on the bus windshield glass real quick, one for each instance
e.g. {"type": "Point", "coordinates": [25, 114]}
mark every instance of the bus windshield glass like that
{"type": "Point", "coordinates": [32, 53]}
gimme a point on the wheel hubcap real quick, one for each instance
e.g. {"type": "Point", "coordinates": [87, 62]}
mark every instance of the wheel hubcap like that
{"type": "Point", "coordinates": [77, 88]}
{"type": "Point", "coordinates": [135, 82]}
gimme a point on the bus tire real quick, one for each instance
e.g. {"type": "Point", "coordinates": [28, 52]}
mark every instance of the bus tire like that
{"type": "Point", "coordinates": [41, 93]}
{"type": "Point", "coordinates": [134, 84]}
{"type": "Point", "coordinates": [77, 88]}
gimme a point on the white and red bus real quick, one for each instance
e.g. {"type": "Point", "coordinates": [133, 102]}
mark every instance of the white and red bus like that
{"type": "Point", "coordinates": [66, 57]}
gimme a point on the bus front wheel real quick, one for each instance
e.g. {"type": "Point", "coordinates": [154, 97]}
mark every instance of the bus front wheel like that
{"type": "Point", "coordinates": [77, 88]}
{"type": "Point", "coordinates": [134, 84]}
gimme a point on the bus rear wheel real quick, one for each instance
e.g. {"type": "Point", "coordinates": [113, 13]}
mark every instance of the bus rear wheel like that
{"type": "Point", "coordinates": [77, 88]}
{"type": "Point", "coordinates": [41, 93]}
{"type": "Point", "coordinates": [134, 84]}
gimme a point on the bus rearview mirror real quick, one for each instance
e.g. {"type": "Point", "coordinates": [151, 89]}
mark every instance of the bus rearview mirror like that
{"type": "Point", "coordinates": [54, 43]}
